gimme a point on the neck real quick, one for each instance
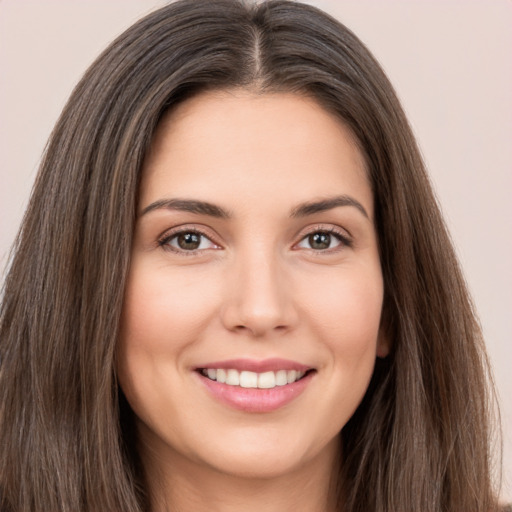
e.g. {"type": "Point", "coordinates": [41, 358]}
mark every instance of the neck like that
{"type": "Point", "coordinates": [177, 484]}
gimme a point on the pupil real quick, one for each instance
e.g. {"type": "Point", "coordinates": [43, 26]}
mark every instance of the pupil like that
{"type": "Point", "coordinates": [320, 240]}
{"type": "Point", "coordinates": [189, 241]}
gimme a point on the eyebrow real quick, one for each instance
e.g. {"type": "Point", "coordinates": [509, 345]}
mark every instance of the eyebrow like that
{"type": "Point", "coordinates": [310, 208]}
{"type": "Point", "coordinates": [212, 210]}
{"type": "Point", "coordinates": [188, 205]}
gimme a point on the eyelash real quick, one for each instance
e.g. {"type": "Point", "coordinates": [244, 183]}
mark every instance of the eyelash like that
{"type": "Point", "coordinates": [341, 236]}
{"type": "Point", "coordinates": [168, 236]}
{"type": "Point", "coordinates": [164, 241]}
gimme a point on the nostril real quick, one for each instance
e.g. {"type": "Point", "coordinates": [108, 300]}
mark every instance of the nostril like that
{"type": "Point", "coordinates": [258, 315]}
{"type": "Point", "coordinates": [259, 329]}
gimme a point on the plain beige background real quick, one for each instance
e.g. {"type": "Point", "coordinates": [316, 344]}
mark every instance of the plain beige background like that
{"type": "Point", "coordinates": [450, 61]}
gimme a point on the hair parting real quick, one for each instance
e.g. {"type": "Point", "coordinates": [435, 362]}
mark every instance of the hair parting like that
{"type": "Point", "coordinates": [421, 438]}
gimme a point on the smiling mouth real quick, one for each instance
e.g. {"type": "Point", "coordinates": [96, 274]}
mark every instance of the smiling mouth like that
{"type": "Point", "coordinates": [248, 379]}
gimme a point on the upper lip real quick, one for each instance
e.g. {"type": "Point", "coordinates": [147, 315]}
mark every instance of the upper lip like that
{"type": "Point", "coordinates": [257, 366]}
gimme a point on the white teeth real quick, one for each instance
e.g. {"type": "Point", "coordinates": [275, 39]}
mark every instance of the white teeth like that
{"type": "Point", "coordinates": [233, 378]}
{"type": "Point", "coordinates": [291, 376]}
{"type": "Point", "coordinates": [246, 379]}
{"type": "Point", "coordinates": [281, 379]}
{"type": "Point", "coordinates": [267, 380]}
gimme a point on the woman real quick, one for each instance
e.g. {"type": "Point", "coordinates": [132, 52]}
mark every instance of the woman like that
{"type": "Point", "coordinates": [233, 288]}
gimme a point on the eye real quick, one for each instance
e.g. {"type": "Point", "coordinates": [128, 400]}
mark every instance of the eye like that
{"type": "Point", "coordinates": [324, 240]}
{"type": "Point", "coordinates": [187, 241]}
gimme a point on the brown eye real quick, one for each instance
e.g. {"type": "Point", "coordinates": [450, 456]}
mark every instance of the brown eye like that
{"type": "Point", "coordinates": [319, 240]}
{"type": "Point", "coordinates": [188, 241]}
{"type": "Point", "coordinates": [324, 241]}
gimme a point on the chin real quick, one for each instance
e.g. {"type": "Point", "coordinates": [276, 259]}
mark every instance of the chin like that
{"type": "Point", "coordinates": [258, 466]}
{"type": "Point", "coordinates": [263, 458]}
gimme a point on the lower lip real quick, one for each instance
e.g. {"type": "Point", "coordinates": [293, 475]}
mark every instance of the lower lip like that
{"type": "Point", "coordinates": [255, 399]}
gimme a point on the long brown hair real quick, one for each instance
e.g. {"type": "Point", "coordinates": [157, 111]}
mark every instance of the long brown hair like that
{"type": "Point", "coordinates": [420, 440]}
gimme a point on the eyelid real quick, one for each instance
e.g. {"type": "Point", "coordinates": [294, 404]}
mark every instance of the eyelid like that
{"type": "Point", "coordinates": [166, 236]}
{"type": "Point", "coordinates": [342, 234]}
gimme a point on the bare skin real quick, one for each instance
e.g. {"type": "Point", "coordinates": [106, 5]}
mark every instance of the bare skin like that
{"type": "Point", "coordinates": [230, 493]}
{"type": "Point", "coordinates": [255, 243]}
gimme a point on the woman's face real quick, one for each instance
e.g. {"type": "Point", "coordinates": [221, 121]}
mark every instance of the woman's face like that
{"type": "Point", "coordinates": [254, 261]}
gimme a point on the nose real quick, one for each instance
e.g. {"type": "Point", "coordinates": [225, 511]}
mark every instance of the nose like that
{"type": "Point", "coordinates": [258, 298]}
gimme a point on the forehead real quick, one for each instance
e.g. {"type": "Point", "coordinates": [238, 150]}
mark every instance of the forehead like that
{"type": "Point", "coordinates": [226, 142]}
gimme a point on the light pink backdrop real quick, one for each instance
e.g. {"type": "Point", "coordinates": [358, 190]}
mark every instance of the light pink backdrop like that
{"type": "Point", "coordinates": [450, 60]}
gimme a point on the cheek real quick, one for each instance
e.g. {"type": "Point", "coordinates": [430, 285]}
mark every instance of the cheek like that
{"type": "Point", "coordinates": [345, 313]}
{"type": "Point", "coordinates": [163, 316]}
{"type": "Point", "coordinates": [349, 303]}
{"type": "Point", "coordinates": [164, 309]}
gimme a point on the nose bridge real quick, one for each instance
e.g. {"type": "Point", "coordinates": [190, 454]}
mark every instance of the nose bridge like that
{"type": "Point", "coordinates": [258, 298]}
